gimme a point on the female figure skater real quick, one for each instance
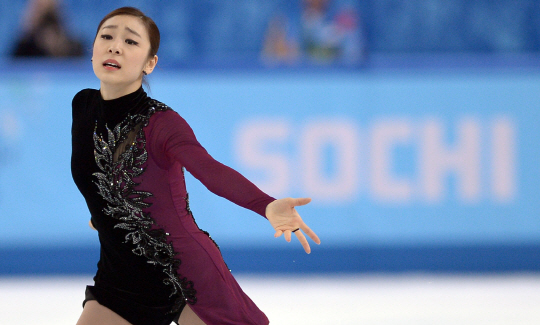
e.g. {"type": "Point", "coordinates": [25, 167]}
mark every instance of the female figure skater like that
{"type": "Point", "coordinates": [129, 154]}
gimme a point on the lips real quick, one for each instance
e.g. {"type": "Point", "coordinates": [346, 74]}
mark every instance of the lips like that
{"type": "Point", "coordinates": [111, 64]}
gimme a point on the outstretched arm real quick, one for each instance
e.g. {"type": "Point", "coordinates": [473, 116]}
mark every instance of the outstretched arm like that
{"type": "Point", "coordinates": [286, 220]}
{"type": "Point", "coordinates": [173, 140]}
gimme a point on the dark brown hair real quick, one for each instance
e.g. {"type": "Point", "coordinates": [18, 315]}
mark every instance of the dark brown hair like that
{"type": "Point", "coordinates": [149, 24]}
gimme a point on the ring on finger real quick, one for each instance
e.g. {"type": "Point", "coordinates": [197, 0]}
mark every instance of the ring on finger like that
{"type": "Point", "coordinates": [296, 230]}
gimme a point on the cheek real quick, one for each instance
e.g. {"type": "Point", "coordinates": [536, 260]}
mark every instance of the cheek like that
{"type": "Point", "coordinates": [94, 50]}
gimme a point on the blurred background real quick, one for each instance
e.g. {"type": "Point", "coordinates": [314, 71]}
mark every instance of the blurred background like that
{"type": "Point", "coordinates": [413, 126]}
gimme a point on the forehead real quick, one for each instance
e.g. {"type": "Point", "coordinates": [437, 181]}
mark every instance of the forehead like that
{"type": "Point", "coordinates": [126, 22]}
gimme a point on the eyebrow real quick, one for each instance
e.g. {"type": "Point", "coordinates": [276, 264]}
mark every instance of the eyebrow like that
{"type": "Point", "coordinates": [127, 28]}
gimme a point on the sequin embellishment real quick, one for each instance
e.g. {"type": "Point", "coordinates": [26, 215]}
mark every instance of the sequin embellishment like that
{"type": "Point", "coordinates": [124, 203]}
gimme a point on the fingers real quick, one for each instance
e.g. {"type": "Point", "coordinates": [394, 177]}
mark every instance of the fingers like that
{"type": "Point", "coordinates": [302, 239]}
{"type": "Point", "coordinates": [300, 201]}
{"type": "Point", "coordinates": [311, 234]}
{"type": "Point", "coordinates": [288, 235]}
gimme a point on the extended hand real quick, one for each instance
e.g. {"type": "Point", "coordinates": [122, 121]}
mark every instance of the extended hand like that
{"type": "Point", "coordinates": [285, 220]}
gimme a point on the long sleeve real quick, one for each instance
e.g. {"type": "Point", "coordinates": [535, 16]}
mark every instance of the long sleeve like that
{"type": "Point", "coordinates": [172, 140]}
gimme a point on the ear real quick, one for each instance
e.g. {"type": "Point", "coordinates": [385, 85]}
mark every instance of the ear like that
{"type": "Point", "coordinates": [151, 64]}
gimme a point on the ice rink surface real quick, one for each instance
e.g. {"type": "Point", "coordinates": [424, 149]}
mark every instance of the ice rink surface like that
{"type": "Point", "coordinates": [416, 299]}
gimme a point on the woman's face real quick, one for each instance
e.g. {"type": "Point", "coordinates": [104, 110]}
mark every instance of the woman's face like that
{"type": "Point", "coordinates": [120, 53]}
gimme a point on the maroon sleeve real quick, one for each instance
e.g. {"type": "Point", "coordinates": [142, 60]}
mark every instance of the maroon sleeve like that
{"type": "Point", "coordinates": [173, 140]}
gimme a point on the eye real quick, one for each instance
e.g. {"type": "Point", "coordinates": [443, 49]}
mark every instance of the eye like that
{"type": "Point", "coordinates": [131, 42]}
{"type": "Point", "coordinates": [107, 37]}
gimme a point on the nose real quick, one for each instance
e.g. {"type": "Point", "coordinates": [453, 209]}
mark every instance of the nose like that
{"type": "Point", "coordinates": [115, 48]}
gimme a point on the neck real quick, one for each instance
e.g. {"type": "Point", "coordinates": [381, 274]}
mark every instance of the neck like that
{"type": "Point", "coordinates": [109, 92]}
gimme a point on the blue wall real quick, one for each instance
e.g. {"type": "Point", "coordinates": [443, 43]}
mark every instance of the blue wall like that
{"type": "Point", "coordinates": [434, 163]}
{"type": "Point", "coordinates": [418, 141]}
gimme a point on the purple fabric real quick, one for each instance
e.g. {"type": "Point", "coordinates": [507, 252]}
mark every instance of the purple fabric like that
{"type": "Point", "coordinates": [172, 145]}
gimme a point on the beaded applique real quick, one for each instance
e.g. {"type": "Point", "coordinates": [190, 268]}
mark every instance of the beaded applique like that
{"type": "Point", "coordinates": [124, 203]}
